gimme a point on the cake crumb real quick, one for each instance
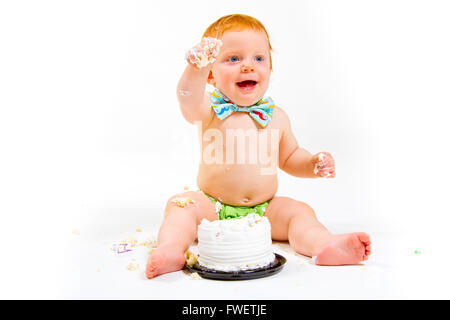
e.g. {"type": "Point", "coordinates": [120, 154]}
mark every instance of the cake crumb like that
{"type": "Point", "coordinates": [182, 202]}
{"type": "Point", "coordinates": [132, 266]}
{"type": "Point", "coordinates": [151, 244]}
{"type": "Point", "coordinates": [195, 276]}
{"type": "Point", "coordinates": [191, 258]}
{"type": "Point", "coordinates": [130, 240]}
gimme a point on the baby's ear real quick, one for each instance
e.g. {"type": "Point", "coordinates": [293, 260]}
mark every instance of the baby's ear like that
{"type": "Point", "coordinates": [211, 80]}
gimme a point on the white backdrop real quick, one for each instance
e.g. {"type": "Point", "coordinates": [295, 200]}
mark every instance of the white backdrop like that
{"type": "Point", "coordinates": [89, 119]}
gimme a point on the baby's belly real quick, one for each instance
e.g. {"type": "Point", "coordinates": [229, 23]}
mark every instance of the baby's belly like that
{"type": "Point", "coordinates": [238, 184]}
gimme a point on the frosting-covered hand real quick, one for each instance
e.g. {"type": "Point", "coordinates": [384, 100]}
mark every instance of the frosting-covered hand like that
{"type": "Point", "coordinates": [204, 53]}
{"type": "Point", "coordinates": [324, 165]}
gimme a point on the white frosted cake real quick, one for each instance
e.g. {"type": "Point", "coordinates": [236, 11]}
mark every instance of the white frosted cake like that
{"type": "Point", "coordinates": [235, 244]}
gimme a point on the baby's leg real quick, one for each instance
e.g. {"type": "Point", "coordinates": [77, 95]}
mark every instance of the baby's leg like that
{"type": "Point", "coordinates": [178, 231]}
{"type": "Point", "coordinates": [296, 222]}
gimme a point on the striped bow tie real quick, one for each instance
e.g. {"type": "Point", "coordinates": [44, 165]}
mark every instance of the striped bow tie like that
{"type": "Point", "coordinates": [261, 112]}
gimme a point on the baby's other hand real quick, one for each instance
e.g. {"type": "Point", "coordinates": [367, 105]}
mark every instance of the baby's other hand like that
{"type": "Point", "coordinates": [204, 53]}
{"type": "Point", "coordinates": [324, 165]}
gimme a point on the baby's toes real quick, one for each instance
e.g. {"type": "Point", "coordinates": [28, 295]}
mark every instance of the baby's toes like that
{"type": "Point", "coordinates": [368, 250]}
{"type": "Point", "coordinates": [364, 238]}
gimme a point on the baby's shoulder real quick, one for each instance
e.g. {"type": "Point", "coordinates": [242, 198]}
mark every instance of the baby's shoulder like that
{"type": "Point", "coordinates": [280, 116]}
{"type": "Point", "coordinates": [280, 112]}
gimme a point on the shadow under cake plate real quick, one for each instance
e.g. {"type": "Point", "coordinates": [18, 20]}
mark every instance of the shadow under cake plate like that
{"type": "Point", "coordinates": [269, 270]}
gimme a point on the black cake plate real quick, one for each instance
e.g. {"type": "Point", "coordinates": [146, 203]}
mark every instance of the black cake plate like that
{"type": "Point", "coordinates": [269, 270]}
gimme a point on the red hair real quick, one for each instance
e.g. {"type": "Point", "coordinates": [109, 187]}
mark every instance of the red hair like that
{"type": "Point", "coordinates": [236, 22]}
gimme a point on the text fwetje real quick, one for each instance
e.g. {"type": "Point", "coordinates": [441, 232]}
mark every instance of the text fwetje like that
{"type": "Point", "coordinates": [231, 309]}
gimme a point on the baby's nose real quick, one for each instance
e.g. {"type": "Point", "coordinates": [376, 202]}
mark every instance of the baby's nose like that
{"type": "Point", "coordinates": [246, 68]}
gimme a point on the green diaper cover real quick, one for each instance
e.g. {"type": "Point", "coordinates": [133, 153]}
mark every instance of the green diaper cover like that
{"type": "Point", "coordinates": [226, 211]}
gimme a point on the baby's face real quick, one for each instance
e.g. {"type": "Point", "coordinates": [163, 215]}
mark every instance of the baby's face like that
{"type": "Point", "coordinates": [242, 69]}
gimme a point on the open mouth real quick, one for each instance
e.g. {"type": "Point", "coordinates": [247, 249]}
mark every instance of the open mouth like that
{"type": "Point", "coordinates": [247, 84]}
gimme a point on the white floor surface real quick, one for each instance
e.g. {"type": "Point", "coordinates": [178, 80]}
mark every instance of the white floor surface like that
{"type": "Point", "coordinates": [397, 269]}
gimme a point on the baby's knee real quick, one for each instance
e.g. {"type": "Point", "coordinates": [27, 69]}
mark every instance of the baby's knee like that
{"type": "Point", "coordinates": [180, 200]}
{"type": "Point", "coordinates": [304, 208]}
{"type": "Point", "coordinates": [191, 202]}
{"type": "Point", "coordinates": [295, 208]}
{"type": "Point", "coordinates": [188, 202]}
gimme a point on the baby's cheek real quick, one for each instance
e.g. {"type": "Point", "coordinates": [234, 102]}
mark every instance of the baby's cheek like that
{"type": "Point", "coordinates": [226, 75]}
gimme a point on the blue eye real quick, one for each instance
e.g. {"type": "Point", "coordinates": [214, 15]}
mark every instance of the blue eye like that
{"type": "Point", "coordinates": [233, 59]}
{"type": "Point", "coordinates": [259, 58]}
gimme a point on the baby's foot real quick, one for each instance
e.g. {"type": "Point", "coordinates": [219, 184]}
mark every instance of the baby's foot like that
{"type": "Point", "coordinates": [343, 249]}
{"type": "Point", "coordinates": [164, 260]}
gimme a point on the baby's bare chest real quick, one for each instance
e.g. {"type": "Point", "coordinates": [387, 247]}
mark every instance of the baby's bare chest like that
{"type": "Point", "coordinates": [238, 139]}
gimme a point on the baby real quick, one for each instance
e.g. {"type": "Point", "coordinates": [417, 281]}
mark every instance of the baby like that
{"type": "Point", "coordinates": [238, 178]}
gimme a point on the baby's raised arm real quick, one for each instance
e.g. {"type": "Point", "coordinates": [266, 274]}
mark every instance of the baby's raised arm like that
{"type": "Point", "coordinates": [194, 101]}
